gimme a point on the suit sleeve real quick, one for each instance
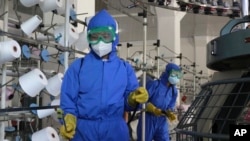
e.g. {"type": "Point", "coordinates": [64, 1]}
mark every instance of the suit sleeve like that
{"type": "Point", "coordinates": [132, 85]}
{"type": "Point", "coordinates": [69, 89]}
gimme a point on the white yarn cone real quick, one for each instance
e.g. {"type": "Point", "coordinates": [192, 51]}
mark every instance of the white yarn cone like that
{"type": "Point", "coordinates": [82, 42]}
{"type": "Point", "coordinates": [44, 113]}
{"type": "Point", "coordinates": [49, 5]}
{"type": "Point", "coordinates": [29, 3]}
{"type": "Point", "coordinates": [59, 34]}
{"type": "Point", "coordinates": [55, 102]}
{"type": "Point", "coordinates": [31, 24]}
{"type": "Point", "coordinates": [46, 134]}
{"type": "Point", "coordinates": [61, 10]}
{"type": "Point", "coordinates": [33, 82]}
{"type": "Point", "coordinates": [54, 84]}
{"type": "Point", "coordinates": [149, 63]}
{"type": "Point", "coordinates": [9, 50]}
{"type": "Point", "coordinates": [139, 73]}
{"type": "Point", "coordinates": [47, 112]}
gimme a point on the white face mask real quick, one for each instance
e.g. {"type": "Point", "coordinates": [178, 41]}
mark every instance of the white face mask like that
{"type": "Point", "coordinates": [102, 48]}
{"type": "Point", "coordinates": [173, 80]}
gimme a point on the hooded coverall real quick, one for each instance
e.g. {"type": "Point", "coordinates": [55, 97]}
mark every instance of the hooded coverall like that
{"type": "Point", "coordinates": [163, 97]}
{"type": "Point", "coordinates": [96, 91]}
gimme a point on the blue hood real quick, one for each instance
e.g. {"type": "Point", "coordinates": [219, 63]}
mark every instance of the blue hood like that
{"type": "Point", "coordinates": [101, 19]}
{"type": "Point", "coordinates": [165, 75]}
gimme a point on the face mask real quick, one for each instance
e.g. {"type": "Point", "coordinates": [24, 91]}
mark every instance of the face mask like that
{"type": "Point", "coordinates": [102, 48]}
{"type": "Point", "coordinates": [173, 80]}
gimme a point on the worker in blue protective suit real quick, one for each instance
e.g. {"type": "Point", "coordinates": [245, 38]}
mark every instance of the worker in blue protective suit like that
{"type": "Point", "coordinates": [98, 89]}
{"type": "Point", "coordinates": [161, 103]}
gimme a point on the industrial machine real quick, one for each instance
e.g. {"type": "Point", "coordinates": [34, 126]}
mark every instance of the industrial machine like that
{"type": "Point", "coordinates": [225, 100]}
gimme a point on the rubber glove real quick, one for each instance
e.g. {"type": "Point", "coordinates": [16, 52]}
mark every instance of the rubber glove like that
{"type": "Point", "coordinates": [152, 109]}
{"type": "Point", "coordinates": [140, 95]}
{"type": "Point", "coordinates": [68, 129]}
{"type": "Point", "coordinates": [171, 115]}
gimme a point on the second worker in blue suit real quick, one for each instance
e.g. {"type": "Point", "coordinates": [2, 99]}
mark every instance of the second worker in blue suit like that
{"type": "Point", "coordinates": [161, 103]}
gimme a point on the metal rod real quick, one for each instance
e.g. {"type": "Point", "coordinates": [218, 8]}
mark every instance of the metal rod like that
{"type": "Point", "coordinates": [37, 42]}
{"type": "Point", "coordinates": [66, 34]}
{"type": "Point", "coordinates": [52, 26]}
{"type": "Point", "coordinates": [81, 22]}
{"type": "Point", "coordinates": [6, 83]}
{"type": "Point", "coordinates": [8, 110]}
{"type": "Point", "coordinates": [158, 62]}
{"type": "Point", "coordinates": [81, 14]}
{"type": "Point", "coordinates": [3, 14]}
{"type": "Point", "coordinates": [144, 72]}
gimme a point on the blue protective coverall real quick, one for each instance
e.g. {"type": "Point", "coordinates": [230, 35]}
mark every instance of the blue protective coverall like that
{"type": "Point", "coordinates": [96, 93]}
{"type": "Point", "coordinates": [163, 97]}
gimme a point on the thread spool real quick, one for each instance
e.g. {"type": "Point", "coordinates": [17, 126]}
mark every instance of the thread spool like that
{"type": "Point", "coordinates": [61, 10]}
{"type": "Point", "coordinates": [29, 3]}
{"type": "Point", "coordinates": [54, 84]}
{"type": "Point", "coordinates": [59, 34]}
{"type": "Point", "coordinates": [46, 134]}
{"type": "Point", "coordinates": [33, 82]}
{"type": "Point", "coordinates": [50, 5]}
{"type": "Point", "coordinates": [82, 42]}
{"type": "Point", "coordinates": [31, 24]}
{"type": "Point", "coordinates": [9, 50]}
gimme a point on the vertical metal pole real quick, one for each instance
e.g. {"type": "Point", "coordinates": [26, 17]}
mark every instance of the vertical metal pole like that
{"type": "Point", "coordinates": [194, 87]}
{"type": "Point", "coordinates": [66, 34]}
{"type": "Point", "coordinates": [194, 65]}
{"type": "Point", "coordinates": [128, 52]}
{"type": "Point", "coordinates": [158, 61]}
{"type": "Point", "coordinates": [128, 55]}
{"type": "Point", "coordinates": [4, 69]}
{"type": "Point", "coordinates": [39, 122]}
{"type": "Point", "coordinates": [144, 72]}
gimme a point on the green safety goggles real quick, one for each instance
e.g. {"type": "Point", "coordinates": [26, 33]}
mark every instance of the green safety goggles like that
{"type": "Point", "coordinates": [105, 34]}
{"type": "Point", "coordinates": [176, 73]}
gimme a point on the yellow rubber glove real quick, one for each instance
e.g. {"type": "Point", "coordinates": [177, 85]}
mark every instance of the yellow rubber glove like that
{"type": "Point", "coordinates": [171, 115]}
{"type": "Point", "coordinates": [68, 129]}
{"type": "Point", "coordinates": [140, 95]}
{"type": "Point", "coordinates": [152, 109]}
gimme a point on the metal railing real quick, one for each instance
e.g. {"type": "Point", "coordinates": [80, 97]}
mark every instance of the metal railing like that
{"type": "Point", "coordinates": [218, 105]}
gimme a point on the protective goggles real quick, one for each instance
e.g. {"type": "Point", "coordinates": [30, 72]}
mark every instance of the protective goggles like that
{"type": "Point", "coordinates": [176, 73]}
{"type": "Point", "coordinates": [105, 34]}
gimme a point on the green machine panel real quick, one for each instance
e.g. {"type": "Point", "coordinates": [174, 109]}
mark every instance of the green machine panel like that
{"type": "Point", "coordinates": [231, 50]}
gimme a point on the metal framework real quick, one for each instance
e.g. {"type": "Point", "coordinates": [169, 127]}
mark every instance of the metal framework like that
{"type": "Point", "coordinates": [218, 105]}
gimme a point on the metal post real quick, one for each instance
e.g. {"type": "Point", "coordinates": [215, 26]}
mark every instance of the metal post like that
{"type": "Point", "coordinates": [4, 69]}
{"type": "Point", "coordinates": [158, 62]}
{"type": "Point", "coordinates": [144, 71]}
{"type": "Point", "coordinates": [158, 57]}
{"type": "Point", "coordinates": [128, 53]}
{"type": "Point", "coordinates": [194, 82]}
{"type": "Point", "coordinates": [66, 34]}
